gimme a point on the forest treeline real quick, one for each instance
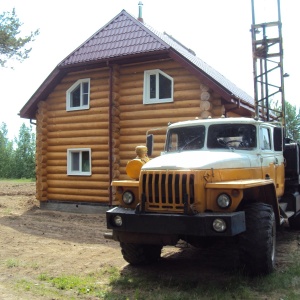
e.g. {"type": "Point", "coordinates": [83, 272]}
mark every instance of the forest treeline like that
{"type": "Point", "coordinates": [17, 157]}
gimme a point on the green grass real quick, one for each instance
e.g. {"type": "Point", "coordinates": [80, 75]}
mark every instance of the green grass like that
{"type": "Point", "coordinates": [12, 263]}
{"type": "Point", "coordinates": [16, 263]}
{"type": "Point", "coordinates": [21, 180]}
{"type": "Point", "coordinates": [136, 284]}
{"type": "Point", "coordinates": [7, 211]}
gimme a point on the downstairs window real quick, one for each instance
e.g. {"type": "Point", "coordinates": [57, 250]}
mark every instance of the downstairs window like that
{"type": "Point", "coordinates": [79, 161]}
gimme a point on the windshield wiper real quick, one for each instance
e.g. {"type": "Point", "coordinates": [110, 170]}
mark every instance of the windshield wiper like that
{"type": "Point", "coordinates": [189, 142]}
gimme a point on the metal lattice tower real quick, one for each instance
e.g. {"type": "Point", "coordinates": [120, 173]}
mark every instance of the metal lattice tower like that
{"type": "Point", "coordinates": [268, 73]}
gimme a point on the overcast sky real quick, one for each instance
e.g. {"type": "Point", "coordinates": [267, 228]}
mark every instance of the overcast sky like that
{"type": "Point", "coordinates": [217, 30]}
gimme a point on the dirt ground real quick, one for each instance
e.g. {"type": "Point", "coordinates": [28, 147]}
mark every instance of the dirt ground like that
{"type": "Point", "coordinates": [35, 241]}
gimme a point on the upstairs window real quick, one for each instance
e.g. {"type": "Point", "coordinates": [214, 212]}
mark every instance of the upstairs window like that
{"type": "Point", "coordinates": [78, 95]}
{"type": "Point", "coordinates": [79, 162]}
{"type": "Point", "coordinates": [158, 87]}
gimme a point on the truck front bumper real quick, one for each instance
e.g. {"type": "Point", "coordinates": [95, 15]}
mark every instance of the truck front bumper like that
{"type": "Point", "coordinates": [124, 220]}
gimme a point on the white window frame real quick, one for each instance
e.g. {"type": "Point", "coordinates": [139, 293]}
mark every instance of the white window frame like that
{"type": "Point", "coordinates": [146, 95]}
{"type": "Point", "coordinates": [69, 95]}
{"type": "Point", "coordinates": [69, 162]}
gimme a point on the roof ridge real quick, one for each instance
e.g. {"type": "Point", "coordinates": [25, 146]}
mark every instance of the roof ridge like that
{"type": "Point", "coordinates": [92, 36]}
{"type": "Point", "coordinates": [148, 28]}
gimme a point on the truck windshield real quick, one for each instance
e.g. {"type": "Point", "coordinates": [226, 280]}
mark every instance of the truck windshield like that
{"type": "Point", "coordinates": [185, 138]}
{"type": "Point", "coordinates": [237, 136]}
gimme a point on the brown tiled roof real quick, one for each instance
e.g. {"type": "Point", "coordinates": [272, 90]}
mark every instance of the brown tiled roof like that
{"type": "Point", "coordinates": [125, 38]}
{"type": "Point", "coordinates": [122, 36]}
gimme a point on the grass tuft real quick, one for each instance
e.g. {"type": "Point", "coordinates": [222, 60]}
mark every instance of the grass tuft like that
{"type": "Point", "coordinates": [12, 263]}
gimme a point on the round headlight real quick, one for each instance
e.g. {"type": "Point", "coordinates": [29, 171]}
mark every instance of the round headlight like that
{"type": "Point", "coordinates": [128, 197]}
{"type": "Point", "coordinates": [219, 225]}
{"type": "Point", "coordinates": [224, 201]}
{"type": "Point", "coordinates": [118, 221]}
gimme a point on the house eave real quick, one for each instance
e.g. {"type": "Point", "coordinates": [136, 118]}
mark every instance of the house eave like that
{"type": "Point", "coordinates": [28, 111]}
{"type": "Point", "coordinates": [227, 95]}
{"type": "Point", "coordinates": [119, 60]}
{"type": "Point", "coordinates": [231, 101]}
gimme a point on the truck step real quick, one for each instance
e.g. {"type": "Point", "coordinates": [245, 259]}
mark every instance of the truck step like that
{"type": "Point", "coordinates": [284, 215]}
{"type": "Point", "coordinates": [283, 205]}
{"type": "Point", "coordinates": [282, 221]}
{"type": "Point", "coordinates": [289, 213]}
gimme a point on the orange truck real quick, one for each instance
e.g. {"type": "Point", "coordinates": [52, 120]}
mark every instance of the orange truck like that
{"type": "Point", "coordinates": [233, 178]}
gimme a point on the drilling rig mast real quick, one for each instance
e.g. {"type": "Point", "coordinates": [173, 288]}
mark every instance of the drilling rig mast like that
{"type": "Point", "coordinates": [267, 51]}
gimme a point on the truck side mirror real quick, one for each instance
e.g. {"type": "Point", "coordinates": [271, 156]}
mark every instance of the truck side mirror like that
{"type": "Point", "coordinates": [149, 143]}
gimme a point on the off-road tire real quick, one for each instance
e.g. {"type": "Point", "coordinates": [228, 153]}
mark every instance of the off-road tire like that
{"type": "Point", "coordinates": [138, 254]}
{"type": "Point", "coordinates": [257, 244]}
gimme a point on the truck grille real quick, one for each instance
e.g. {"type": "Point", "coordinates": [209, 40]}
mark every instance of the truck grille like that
{"type": "Point", "coordinates": [168, 191]}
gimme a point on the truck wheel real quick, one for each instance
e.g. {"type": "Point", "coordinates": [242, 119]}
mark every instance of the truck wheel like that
{"type": "Point", "coordinates": [257, 243]}
{"type": "Point", "coordinates": [137, 254]}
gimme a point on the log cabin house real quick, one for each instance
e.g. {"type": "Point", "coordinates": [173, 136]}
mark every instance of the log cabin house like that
{"type": "Point", "coordinates": [98, 103]}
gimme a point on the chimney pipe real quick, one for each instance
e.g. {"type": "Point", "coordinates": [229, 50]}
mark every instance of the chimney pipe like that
{"type": "Point", "coordinates": [140, 17]}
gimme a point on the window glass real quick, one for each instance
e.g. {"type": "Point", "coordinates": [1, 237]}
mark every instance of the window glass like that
{"type": "Point", "coordinates": [85, 93]}
{"type": "Point", "coordinates": [152, 86]}
{"type": "Point", "coordinates": [185, 138]}
{"type": "Point", "coordinates": [173, 141]}
{"type": "Point", "coordinates": [158, 87]}
{"type": "Point", "coordinates": [78, 95]}
{"type": "Point", "coordinates": [75, 161]}
{"type": "Point", "coordinates": [164, 87]}
{"type": "Point", "coordinates": [85, 87]}
{"type": "Point", "coordinates": [79, 162]}
{"type": "Point", "coordinates": [85, 161]}
{"type": "Point", "coordinates": [237, 136]}
{"type": "Point", "coordinates": [75, 97]}
{"type": "Point", "coordinates": [265, 139]}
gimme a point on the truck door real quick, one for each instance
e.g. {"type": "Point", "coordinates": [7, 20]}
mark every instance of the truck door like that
{"type": "Point", "coordinates": [271, 161]}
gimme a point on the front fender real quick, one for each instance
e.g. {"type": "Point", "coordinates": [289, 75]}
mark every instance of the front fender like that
{"type": "Point", "coordinates": [250, 190]}
{"type": "Point", "coordinates": [120, 186]}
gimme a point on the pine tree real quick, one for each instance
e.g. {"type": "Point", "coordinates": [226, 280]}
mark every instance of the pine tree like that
{"type": "Point", "coordinates": [12, 46]}
{"type": "Point", "coordinates": [6, 153]}
{"type": "Point", "coordinates": [24, 155]}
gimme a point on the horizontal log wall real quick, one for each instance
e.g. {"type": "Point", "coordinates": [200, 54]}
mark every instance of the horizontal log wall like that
{"type": "Point", "coordinates": [191, 99]}
{"type": "Point", "coordinates": [59, 130]}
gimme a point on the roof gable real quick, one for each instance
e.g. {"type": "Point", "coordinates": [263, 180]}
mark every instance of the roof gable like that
{"type": "Point", "coordinates": [122, 36]}
{"type": "Point", "coordinates": [125, 38]}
